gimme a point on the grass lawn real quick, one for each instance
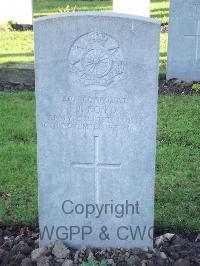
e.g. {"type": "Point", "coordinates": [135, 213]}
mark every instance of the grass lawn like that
{"type": "Point", "coordinates": [49, 7]}
{"type": "Point", "coordinates": [17, 47]}
{"type": "Point", "coordinates": [23, 52]}
{"type": "Point", "coordinates": [159, 8]}
{"type": "Point", "coordinates": [177, 183]}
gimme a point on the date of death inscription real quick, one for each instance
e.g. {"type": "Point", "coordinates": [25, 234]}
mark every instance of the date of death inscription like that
{"type": "Point", "coordinates": [91, 114]}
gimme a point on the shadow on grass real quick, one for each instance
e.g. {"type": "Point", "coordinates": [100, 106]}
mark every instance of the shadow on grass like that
{"type": "Point", "coordinates": [163, 54]}
{"type": "Point", "coordinates": [16, 55]}
{"type": "Point", "coordinates": [160, 15]}
{"type": "Point", "coordinates": [17, 65]}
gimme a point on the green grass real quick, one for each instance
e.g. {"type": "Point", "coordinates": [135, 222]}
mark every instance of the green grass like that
{"type": "Point", "coordinates": [177, 195]}
{"type": "Point", "coordinates": [17, 47]}
{"type": "Point", "coordinates": [163, 53]}
{"type": "Point", "coordinates": [177, 182]}
{"type": "Point", "coordinates": [18, 180]}
{"type": "Point", "coordinates": [47, 7]}
{"type": "Point", "coordinates": [94, 263]}
{"type": "Point", "coordinates": [159, 8]}
{"type": "Point", "coordinates": [22, 50]}
{"type": "Point", "coordinates": [178, 157]}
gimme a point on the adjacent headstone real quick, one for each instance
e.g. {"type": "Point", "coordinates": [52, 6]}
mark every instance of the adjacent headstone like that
{"type": "Point", "coordinates": [184, 40]}
{"type": "Point", "coordinates": [96, 128]}
{"type": "Point", "coordinates": [132, 7]}
{"type": "Point", "coordinates": [19, 11]}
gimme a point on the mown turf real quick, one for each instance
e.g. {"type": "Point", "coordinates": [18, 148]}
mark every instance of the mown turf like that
{"type": "Point", "coordinates": [16, 47]}
{"type": "Point", "coordinates": [177, 183]}
{"type": "Point", "coordinates": [18, 180]}
{"type": "Point", "coordinates": [159, 8]}
{"type": "Point", "coordinates": [49, 7]}
{"type": "Point", "coordinates": [178, 169]}
{"type": "Point", "coordinates": [94, 263]}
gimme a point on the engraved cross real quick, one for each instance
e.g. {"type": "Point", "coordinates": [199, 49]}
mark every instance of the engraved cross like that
{"type": "Point", "coordinates": [197, 37]}
{"type": "Point", "coordinates": [97, 166]}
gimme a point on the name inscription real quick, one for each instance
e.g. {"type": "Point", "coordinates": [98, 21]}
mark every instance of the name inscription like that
{"type": "Point", "coordinates": [92, 113]}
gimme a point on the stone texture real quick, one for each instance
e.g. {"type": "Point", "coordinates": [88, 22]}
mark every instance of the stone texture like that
{"type": "Point", "coordinates": [96, 127]}
{"type": "Point", "coordinates": [90, 256]}
{"type": "Point", "coordinates": [110, 262]}
{"type": "Point", "coordinates": [44, 261]}
{"type": "Point", "coordinates": [4, 257]}
{"type": "Point", "coordinates": [22, 248]}
{"type": "Point", "coordinates": [132, 7]}
{"type": "Point", "coordinates": [184, 40]}
{"type": "Point", "coordinates": [197, 238]}
{"type": "Point", "coordinates": [60, 250]}
{"type": "Point", "coordinates": [27, 262]}
{"type": "Point", "coordinates": [187, 253]}
{"type": "Point", "coordinates": [38, 253]}
{"type": "Point", "coordinates": [67, 263]}
{"type": "Point", "coordinates": [17, 259]}
{"type": "Point", "coordinates": [182, 262]}
{"type": "Point", "coordinates": [133, 260]}
{"type": "Point", "coordinates": [19, 11]}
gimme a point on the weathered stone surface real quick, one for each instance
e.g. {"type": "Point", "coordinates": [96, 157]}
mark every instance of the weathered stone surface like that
{"type": "Point", "coordinates": [132, 7]}
{"type": "Point", "coordinates": [22, 248]}
{"type": "Point", "coordinates": [133, 260]}
{"type": "Point", "coordinates": [60, 250]}
{"type": "Point", "coordinates": [17, 259]}
{"type": "Point", "coordinates": [45, 261]}
{"type": "Point", "coordinates": [38, 253]}
{"type": "Point", "coordinates": [18, 239]}
{"type": "Point", "coordinates": [4, 257]}
{"type": "Point", "coordinates": [185, 254]}
{"type": "Point", "coordinates": [27, 262]}
{"type": "Point", "coordinates": [184, 40]}
{"type": "Point", "coordinates": [197, 238]}
{"type": "Point", "coordinates": [96, 122]}
{"type": "Point", "coordinates": [182, 262]}
{"type": "Point", "coordinates": [67, 263]}
{"type": "Point", "coordinates": [19, 11]}
{"type": "Point", "coordinates": [110, 262]}
{"type": "Point", "coordinates": [90, 256]}
{"type": "Point", "coordinates": [164, 238]}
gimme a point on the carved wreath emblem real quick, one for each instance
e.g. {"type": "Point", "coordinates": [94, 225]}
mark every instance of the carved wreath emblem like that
{"type": "Point", "coordinates": [95, 59]}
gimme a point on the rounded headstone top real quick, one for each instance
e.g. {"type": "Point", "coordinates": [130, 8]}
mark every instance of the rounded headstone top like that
{"type": "Point", "coordinates": [98, 14]}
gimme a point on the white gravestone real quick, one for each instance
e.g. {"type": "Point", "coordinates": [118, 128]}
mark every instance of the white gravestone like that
{"type": "Point", "coordinates": [96, 95]}
{"type": "Point", "coordinates": [19, 11]}
{"type": "Point", "coordinates": [132, 7]}
{"type": "Point", "coordinates": [184, 40]}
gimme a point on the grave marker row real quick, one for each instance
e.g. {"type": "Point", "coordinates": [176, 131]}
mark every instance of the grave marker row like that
{"type": "Point", "coordinates": [184, 30]}
{"type": "Point", "coordinates": [96, 95]}
{"type": "Point", "coordinates": [96, 121]}
{"type": "Point", "coordinates": [19, 11]}
{"type": "Point", "coordinates": [132, 7]}
{"type": "Point", "coordinates": [184, 40]}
